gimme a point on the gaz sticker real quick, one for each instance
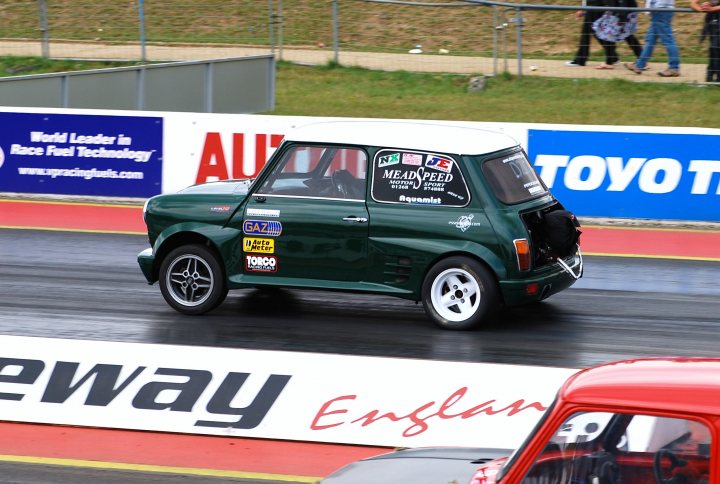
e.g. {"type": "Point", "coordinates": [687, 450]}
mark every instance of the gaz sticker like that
{"type": "Point", "coordinates": [269, 228]}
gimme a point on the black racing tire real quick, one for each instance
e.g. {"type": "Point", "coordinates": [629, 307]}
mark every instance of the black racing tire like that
{"type": "Point", "coordinates": [459, 293]}
{"type": "Point", "coordinates": [192, 280]}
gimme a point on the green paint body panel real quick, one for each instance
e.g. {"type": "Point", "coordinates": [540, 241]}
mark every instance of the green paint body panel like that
{"type": "Point", "coordinates": [364, 245]}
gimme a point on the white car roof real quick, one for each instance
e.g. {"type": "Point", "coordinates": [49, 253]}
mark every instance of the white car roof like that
{"type": "Point", "coordinates": [414, 135]}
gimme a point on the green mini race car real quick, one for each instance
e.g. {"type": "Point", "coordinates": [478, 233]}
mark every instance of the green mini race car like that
{"type": "Point", "coordinates": [452, 216]}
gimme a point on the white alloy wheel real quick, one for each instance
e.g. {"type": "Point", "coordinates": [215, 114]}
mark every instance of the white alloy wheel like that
{"type": "Point", "coordinates": [455, 294]}
{"type": "Point", "coordinates": [460, 292]}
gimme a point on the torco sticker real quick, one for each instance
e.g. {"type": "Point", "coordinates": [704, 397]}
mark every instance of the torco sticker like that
{"type": "Point", "coordinates": [261, 263]}
{"type": "Point", "coordinates": [265, 246]}
{"type": "Point", "coordinates": [270, 228]}
{"type": "Point", "coordinates": [262, 212]}
{"type": "Point", "coordinates": [437, 163]}
{"type": "Point", "coordinates": [388, 160]}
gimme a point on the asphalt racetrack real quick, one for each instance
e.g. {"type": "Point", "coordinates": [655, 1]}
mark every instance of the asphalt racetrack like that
{"type": "Point", "coordinates": [88, 286]}
{"type": "Point", "coordinates": [85, 285]}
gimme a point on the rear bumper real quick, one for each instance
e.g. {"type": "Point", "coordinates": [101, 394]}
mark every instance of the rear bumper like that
{"type": "Point", "coordinates": [146, 259]}
{"type": "Point", "coordinates": [548, 281]}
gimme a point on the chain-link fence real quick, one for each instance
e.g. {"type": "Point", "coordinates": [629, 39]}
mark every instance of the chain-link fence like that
{"type": "Point", "coordinates": [471, 36]}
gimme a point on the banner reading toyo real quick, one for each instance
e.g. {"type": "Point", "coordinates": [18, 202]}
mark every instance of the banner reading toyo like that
{"type": "Point", "coordinates": [79, 154]}
{"type": "Point", "coordinates": [625, 174]}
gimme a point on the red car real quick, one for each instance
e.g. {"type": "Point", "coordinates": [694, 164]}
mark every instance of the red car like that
{"type": "Point", "coordinates": [644, 421]}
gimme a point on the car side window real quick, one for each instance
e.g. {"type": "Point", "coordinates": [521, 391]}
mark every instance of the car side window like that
{"type": "Point", "coordinates": [613, 448]}
{"type": "Point", "coordinates": [418, 178]}
{"type": "Point", "coordinates": [319, 172]}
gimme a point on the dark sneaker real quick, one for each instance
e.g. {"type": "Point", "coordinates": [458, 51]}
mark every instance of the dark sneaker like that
{"type": "Point", "coordinates": [573, 63]}
{"type": "Point", "coordinates": [669, 73]}
{"type": "Point", "coordinates": [633, 67]}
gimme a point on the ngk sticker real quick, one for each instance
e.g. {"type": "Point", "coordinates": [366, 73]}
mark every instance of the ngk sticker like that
{"type": "Point", "coordinates": [261, 263]}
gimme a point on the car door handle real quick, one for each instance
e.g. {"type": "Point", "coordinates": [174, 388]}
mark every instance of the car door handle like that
{"type": "Point", "coordinates": [353, 218]}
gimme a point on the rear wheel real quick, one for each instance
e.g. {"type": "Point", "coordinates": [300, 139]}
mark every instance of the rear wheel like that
{"type": "Point", "coordinates": [459, 293]}
{"type": "Point", "coordinates": [192, 280]}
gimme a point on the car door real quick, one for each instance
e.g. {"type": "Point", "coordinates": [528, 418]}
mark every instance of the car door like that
{"type": "Point", "coordinates": [308, 220]}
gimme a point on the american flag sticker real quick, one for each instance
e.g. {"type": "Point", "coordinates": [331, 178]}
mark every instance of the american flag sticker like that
{"type": "Point", "coordinates": [437, 163]}
{"type": "Point", "coordinates": [412, 159]}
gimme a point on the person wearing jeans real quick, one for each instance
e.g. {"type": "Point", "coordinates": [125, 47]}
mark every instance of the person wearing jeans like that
{"type": "Point", "coordinates": [660, 28]}
{"type": "Point", "coordinates": [711, 31]}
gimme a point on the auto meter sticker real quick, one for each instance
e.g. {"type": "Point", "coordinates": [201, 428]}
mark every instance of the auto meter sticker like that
{"type": "Point", "coordinates": [412, 159]}
{"type": "Point", "coordinates": [265, 246]}
{"type": "Point", "coordinates": [464, 222]}
{"type": "Point", "coordinates": [401, 177]}
{"type": "Point", "coordinates": [269, 228]}
{"type": "Point", "coordinates": [438, 163]}
{"type": "Point", "coordinates": [262, 212]}
{"type": "Point", "coordinates": [388, 160]}
{"type": "Point", "coordinates": [261, 263]}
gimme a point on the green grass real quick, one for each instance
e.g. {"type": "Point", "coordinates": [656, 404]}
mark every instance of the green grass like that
{"type": "Point", "coordinates": [18, 65]}
{"type": "Point", "coordinates": [362, 25]}
{"type": "Point", "coordinates": [355, 92]}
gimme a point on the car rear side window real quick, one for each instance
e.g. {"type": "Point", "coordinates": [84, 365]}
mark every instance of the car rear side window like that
{"type": "Point", "coordinates": [513, 179]}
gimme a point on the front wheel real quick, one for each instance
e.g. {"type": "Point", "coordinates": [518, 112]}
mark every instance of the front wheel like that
{"type": "Point", "coordinates": [459, 293]}
{"type": "Point", "coordinates": [192, 280]}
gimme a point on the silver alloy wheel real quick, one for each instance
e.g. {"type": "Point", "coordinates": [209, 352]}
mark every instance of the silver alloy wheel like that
{"type": "Point", "coordinates": [455, 294]}
{"type": "Point", "coordinates": [189, 280]}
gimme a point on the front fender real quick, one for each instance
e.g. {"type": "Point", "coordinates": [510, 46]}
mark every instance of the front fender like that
{"type": "Point", "coordinates": [222, 239]}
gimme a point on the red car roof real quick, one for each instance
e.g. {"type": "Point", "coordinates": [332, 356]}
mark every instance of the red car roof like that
{"type": "Point", "coordinates": [664, 384]}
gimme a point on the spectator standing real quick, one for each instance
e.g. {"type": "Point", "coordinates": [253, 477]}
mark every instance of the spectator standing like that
{"type": "Point", "coordinates": [586, 33]}
{"type": "Point", "coordinates": [711, 31]}
{"type": "Point", "coordinates": [660, 27]}
{"type": "Point", "coordinates": [617, 26]}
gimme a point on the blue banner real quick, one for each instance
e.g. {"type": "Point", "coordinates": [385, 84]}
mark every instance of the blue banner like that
{"type": "Point", "coordinates": [73, 154]}
{"type": "Point", "coordinates": [630, 175]}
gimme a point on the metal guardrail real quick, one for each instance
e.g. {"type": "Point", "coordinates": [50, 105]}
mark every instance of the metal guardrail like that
{"type": "Point", "coordinates": [235, 85]}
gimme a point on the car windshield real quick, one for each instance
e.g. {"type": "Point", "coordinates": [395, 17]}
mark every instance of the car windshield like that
{"type": "Point", "coordinates": [511, 460]}
{"type": "Point", "coordinates": [512, 178]}
{"type": "Point", "coordinates": [619, 447]}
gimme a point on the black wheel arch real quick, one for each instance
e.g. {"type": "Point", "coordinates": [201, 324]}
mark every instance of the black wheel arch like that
{"type": "Point", "coordinates": [460, 253]}
{"type": "Point", "coordinates": [178, 240]}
